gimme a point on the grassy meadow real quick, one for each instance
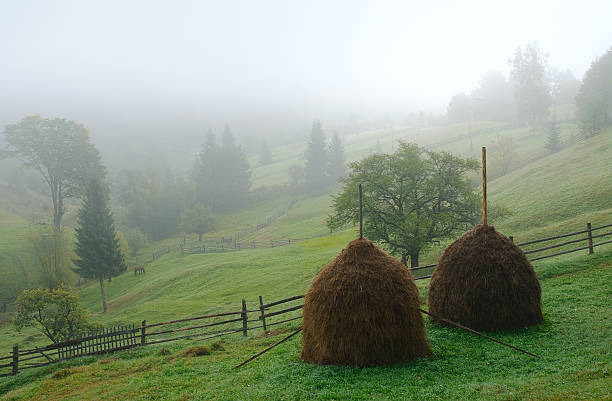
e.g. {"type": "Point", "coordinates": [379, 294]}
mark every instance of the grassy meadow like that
{"type": "Point", "coordinates": [551, 195]}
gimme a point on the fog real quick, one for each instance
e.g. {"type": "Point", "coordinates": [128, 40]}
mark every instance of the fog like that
{"type": "Point", "coordinates": [144, 68]}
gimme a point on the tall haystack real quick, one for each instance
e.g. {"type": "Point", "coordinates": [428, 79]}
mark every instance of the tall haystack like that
{"type": "Point", "coordinates": [362, 310]}
{"type": "Point", "coordinates": [484, 281]}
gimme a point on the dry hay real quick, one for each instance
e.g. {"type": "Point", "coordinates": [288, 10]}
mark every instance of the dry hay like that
{"type": "Point", "coordinates": [484, 281]}
{"type": "Point", "coordinates": [362, 310]}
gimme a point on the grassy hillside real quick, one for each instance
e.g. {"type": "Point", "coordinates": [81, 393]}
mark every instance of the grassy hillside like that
{"type": "Point", "coordinates": [573, 343]}
{"type": "Point", "coordinates": [560, 192]}
{"type": "Point", "coordinates": [555, 194]}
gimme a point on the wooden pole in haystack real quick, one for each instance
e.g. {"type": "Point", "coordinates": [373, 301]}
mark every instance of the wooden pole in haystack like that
{"type": "Point", "coordinates": [484, 185]}
{"type": "Point", "coordinates": [360, 212]}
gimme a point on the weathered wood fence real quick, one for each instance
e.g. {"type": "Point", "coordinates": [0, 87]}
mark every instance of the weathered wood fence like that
{"type": "Point", "coordinates": [261, 317]}
{"type": "Point", "coordinates": [196, 248]}
{"type": "Point", "coordinates": [99, 342]}
{"type": "Point", "coordinates": [553, 246]}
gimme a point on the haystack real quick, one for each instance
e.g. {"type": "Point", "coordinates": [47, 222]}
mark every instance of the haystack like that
{"type": "Point", "coordinates": [362, 310]}
{"type": "Point", "coordinates": [484, 281]}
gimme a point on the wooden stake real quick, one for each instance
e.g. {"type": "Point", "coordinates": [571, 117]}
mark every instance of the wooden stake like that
{"type": "Point", "coordinates": [360, 212]}
{"type": "Point", "coordinates": [476, 332]}
{"type": "Point", "coordinates": [268, 349]}
{"type": "Point", "coordinates": [484, 185]}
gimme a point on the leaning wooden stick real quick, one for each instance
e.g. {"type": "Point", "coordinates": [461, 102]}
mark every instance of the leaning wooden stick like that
{"type": "Point", "coordinates": [268, 349]}
{"type": "Point", "coordinates": [484, 185]}
{"type": "Point", "coordinates": [476, 332]}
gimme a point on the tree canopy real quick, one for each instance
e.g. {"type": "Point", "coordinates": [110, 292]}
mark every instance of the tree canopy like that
{"type": "Point", "coordinates": [56, 313]}
{"type": "Point", "coordinates": [222, 173]}
{"type": "Point", "coordinates": [337, 159]}
{"type": "Point", "coordinates": [411, 198]}
{"type": "Point", "coordinates": [97, 245]}
{"type": "Point", "coordinates": [316, 159]}
{"type": "Point", "coordinates": [594, 99]}
{"type": "Point", "coordinates": [60, 151]}
{"type": "Point", "coordinates": [531, 84]}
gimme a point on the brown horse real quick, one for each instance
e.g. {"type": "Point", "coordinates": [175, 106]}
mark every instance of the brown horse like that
{"type": "Point", "coordinates": [139, 270]}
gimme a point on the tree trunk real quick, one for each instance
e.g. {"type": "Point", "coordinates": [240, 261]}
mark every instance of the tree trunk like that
{"type": "Point", "coordinates": [414, 259]}
{"type": "Point", "coordinates": [199, 236]}
{"type": "Point", "coordinates": [103, 294]}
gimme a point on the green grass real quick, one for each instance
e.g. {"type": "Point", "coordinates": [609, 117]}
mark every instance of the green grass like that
{"type": "Point", "coordinates": [560, 192]}
{"type": "Point", "coordinates": [573, 343]}
{"type": "Point", "coordinates": [556, 194]}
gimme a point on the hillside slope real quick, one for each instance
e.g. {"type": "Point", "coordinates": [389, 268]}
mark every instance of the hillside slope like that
{"type": "Point", "coordinates": [560, 192]}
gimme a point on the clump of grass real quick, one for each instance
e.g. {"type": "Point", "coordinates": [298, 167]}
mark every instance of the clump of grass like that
{"type": "Point", "coordinates": [65, 372]}
{"type": "Point", "coordinates": [196, 351]}
{"type": "Point", "coordinates": [217, 346]}
{"type": "Point", "coordinates": [163, 351]}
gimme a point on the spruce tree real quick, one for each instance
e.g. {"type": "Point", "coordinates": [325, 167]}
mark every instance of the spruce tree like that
{"type": "Point", "coordinates": [97, 245]}
{"type": "Point", "coordinates": [553, 141]}
{"type": "Point", "coordinates": [265, 157]}
{"type": "Point", "coordinates": [337, 160]}
{"type": "Point", "coordinates": [207, 170]}
{"type": "Point", "coordinates": [236, 175]}
{"type": "Point", "coordinates": [316, 158]}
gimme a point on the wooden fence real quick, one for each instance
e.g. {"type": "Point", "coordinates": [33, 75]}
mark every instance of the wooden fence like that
{"type": "Point", "coordinates": [196, 248]}
{"type": "Point", "coordinates": [242, 320]}
{"type": "Point", "coordinates": [553, 246]}
{"type": "Point", "coordinates": [261, 317]}
{"type": "Point", "coordinates": [100, 342]}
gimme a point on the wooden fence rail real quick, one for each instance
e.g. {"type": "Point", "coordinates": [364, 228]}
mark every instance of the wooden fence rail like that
{"type": "Point", "coordinates": [224, 323]}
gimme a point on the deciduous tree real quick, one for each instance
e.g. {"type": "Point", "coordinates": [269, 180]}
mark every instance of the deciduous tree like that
{"type": "Point", "coordinates": [594, 99]}
{"type": "Point", "coordinates": [60, 151]}
{"type": "Point", "coordinates": [56, 313]}
{"type": "Point", "coordinates": [531, 86]}
{"type": "Point", "coordinates": [411, 198]}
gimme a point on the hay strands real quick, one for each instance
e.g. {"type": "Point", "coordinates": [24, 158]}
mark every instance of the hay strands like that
{"type": "Point", "coordinates": [268, 349]}
{"type": "Point", "coordinates": [477, 333]}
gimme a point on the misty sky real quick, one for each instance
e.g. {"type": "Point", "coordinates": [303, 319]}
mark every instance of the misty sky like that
{"type": "Point", "coordinates": [146, 63]}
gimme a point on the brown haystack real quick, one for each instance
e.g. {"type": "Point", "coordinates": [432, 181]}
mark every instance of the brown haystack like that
{"type": "Point", "coordinates": [484, 281]}
{"type": "Point", "coordinates": [362, 310]}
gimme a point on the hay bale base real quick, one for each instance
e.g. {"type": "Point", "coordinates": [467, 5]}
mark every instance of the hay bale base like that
{"type": "Point", "coordinates": [484, 281]}
{"type": "Point", "coordinates": [362, 310]}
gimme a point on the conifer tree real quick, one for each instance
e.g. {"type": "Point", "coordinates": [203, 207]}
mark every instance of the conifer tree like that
{"type": "Point", "coordinates": [265, 157]}
{"type": "Point", "coordinates": [337, 160]}
{"type": "Point", "coordinates": [207, 169]}
{"type": "Point", "coordinates": [236, 175]}
{"type": "Point", "coordinates": [97, 245]}
{"type": "Point", "coordinates": [316, 158]}
{"type": "Point", "coordinates": [553, 141]}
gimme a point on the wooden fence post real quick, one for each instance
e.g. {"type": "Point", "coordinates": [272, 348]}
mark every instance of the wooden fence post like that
{"type": "Point", "coordinates": [263, 314]}
{"type": "Point", "coordinates": [15, 359]}
{"type": "Point", "coordinates": [590, 235]}
{"type": "Point", "coordinates": [244, 319]}
{"type": "Point", "coordinates": [143, 334]}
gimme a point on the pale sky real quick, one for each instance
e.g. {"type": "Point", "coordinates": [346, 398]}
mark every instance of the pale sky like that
{"type": "Point", "coordinates": [108, 63]}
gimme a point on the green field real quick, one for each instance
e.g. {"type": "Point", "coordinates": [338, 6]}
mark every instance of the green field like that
{"type": "Point", "coordinates": [573, 344]}
{"type": "Point", "coordinates": [552, 195]}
